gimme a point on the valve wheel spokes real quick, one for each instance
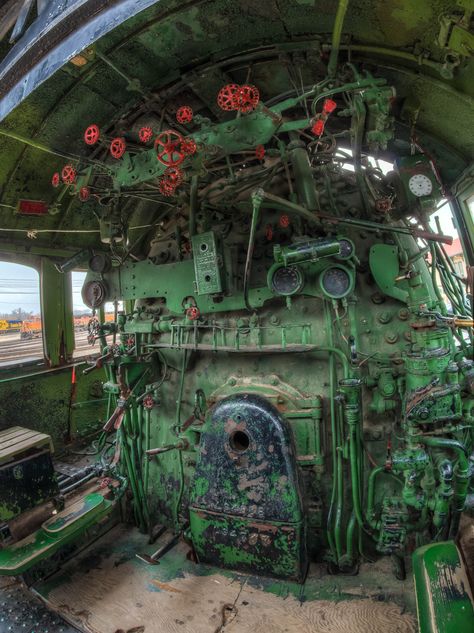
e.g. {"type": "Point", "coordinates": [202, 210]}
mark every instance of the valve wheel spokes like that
{"type": "Point", "coordinates": [92, 134]}
{"type": "Point", "coordinates": [68, 174]}
{"type": "Point", "coordinates": [166, 188]}
{"type": "Point", "coordinates": [117, 147]}
{"type": "Point", "coordinates": [184, 114]}
{"type": "Point", "coordinates": [145, 134]}
{"type": "Point", "coordinates": [227, 97]}
{"type": "Point", "coordinates": [168, 148]}
{"type": "Point", "coordinates": [248, 98]}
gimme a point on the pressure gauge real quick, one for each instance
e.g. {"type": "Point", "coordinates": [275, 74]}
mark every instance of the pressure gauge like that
{"type": "Point", "coordinates": [420, 185]}
{"type": "Point", "coordinates": [286, 280]}
{"type": "Point", "coordinates": [94, 294]}
{"type": "Point", "coordinates": [336, 282]}
{"type": "Point", "coordinates": [346, 248]}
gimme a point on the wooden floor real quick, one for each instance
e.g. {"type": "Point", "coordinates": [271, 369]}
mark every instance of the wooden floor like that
{"type": "Point", "coordinates": [106, 589]}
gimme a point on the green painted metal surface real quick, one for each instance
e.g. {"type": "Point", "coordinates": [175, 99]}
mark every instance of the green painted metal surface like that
{"type": "Point", "coordinates": [444, 596]}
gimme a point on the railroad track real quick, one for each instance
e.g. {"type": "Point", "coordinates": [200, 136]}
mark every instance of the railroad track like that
{"type": "Point", "coordinates": [12, 347]}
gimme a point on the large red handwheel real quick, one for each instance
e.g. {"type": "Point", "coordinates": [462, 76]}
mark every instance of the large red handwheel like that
{"type": "Point", "coordinates": [184, 114]}
{"type": "Point", "coordinates": [117, 147]}
{"type": "Point", "coordinates": [227, 97]}
{"type": "Point", "coordinates": [247, 98]}
{"type": "Point", "coordinates": [68, 174]}
{"type": "Point", "coordinates": [92, 134]}
{"type": "Point", "coordinates": [168, 148]}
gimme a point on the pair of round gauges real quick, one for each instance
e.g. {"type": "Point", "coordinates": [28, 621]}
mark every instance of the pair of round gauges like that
{"type": "Point", "coordinates": [335, 281]}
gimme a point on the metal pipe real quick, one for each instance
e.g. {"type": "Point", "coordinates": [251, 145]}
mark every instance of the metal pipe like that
{"type": "Point", "coordinates": [336, 36]}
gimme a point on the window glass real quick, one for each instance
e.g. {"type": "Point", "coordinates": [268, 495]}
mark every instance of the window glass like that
{"type": "Point", "coordinates": [21, 339]}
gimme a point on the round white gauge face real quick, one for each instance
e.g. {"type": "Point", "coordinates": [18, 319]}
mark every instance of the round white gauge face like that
{"type": "Point", "coordinates": [420, 185]}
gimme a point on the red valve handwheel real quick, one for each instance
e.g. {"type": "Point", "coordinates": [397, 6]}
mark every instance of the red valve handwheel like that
{"type": "Point", "coordinates": [248, 98]}
{"type": "Point", "coordinates": [284, 221]}
{"type": "Point", "coordinates": [68, 174]}
{"type": "Point", "coordinates": [166, 188]}
{"type": "Point", "coordinates": [329, 106]}
{"type": "Point", "coordinates": [193, 313]}
{"type": "Point", "coordinates": [56, 179]}
{"type": "Point", "coordinates": [188, 146]}
{"type": "Point", "coordinates": [260, 152]}
{"type": "Point", "coordinates": [168, 147]}
{"type": "Point", "coordinates": [269, 232]}
{"type": "Point", "coordinates": [227, 97]}
{"type": "Point", "coordinates": [184, 114]}
{"type": "Point", "coordinates": [117, 147]}
{"type": "Point", "coordinates": [173, 175]}
{"type": "Point", "coordinates": [84, 194]}
{"type": "Point", "coordinates": [92, 134]}
{"type": "Point", "coordinates": [145, 134]}
{"type": "Point", "coordinates": [148, 402]}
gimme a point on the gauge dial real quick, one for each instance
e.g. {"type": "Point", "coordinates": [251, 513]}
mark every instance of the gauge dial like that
{"type": "Point", "coordinates": [420, 185]}
{"type": "Point", "coordinates": [335, 282]}
{"type": "Point", "coordinates": [287, 280]}
{"type": "Point", "coordinates": [94, 294]}
{"type": "Point", "coordinates": [347, 249]}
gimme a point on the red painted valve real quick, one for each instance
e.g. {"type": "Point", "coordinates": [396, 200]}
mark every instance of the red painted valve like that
{"type": "Point", "coordinates": [383, 205]}
{"type": "Point", "coordinates": [248, 98]}
{"type": "Point", "coordinates": [260, 152]}
{"type": "Point", "coordinates": [329, 106]}
{"type": "Point", "coordinates": [269, 232]}
{"type": "Point", "coordinates": [148, 402]}
{"type": "Point", "coordinates": [188, 146]}
{"type": "Point", "coordinates": [193, 313]}
{"type": "Point", "coordinates": [84, 194]}
{"type": "Point", "coordinates": [56, 179]}
{"type": "Point", "coordinates": [68, 174]}
{"type": "Point", "coordinates": [284, 221]}
{"type": "Point", "coordinates": [145, 134]}
{"type": "Point", "coordinates": [173, 175]}
{"type": "Point", "coordinates": [318, 127]}
{"type": "Point", "coordinates": [92, 134]}
{"type": "Point", "coordinates": [227, 97]}
{"type": "Point", "coordinates": [168, 147]}
{"type": "Point", "coordinates": [117, 147]}
{"type": "Point", "coordinates": [184, 114]}
{"type": "Point", "coordinates": [166, 188]}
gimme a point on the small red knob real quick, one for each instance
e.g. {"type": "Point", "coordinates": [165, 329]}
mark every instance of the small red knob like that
{"type": "Point", "coordinates": [193, 313]}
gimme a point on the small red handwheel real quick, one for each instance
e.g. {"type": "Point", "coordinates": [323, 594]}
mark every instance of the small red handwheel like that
{"type": "Point", "coordinates": [248, 98]}
{"type": "Point", "coordinates": [193, 313]}
{"type": "Point", "coordinates": [166, 188]}
{"type": "Point", "coordinates": [269, 232]}
{"type": "Point", "coordinates": [173, 175]}
{"type": "Point", "coordinates": [284, 221]}
{"type": "Point", "coordinates": [227, 97]}
{"type": "Point", "coordinates": [318, 127]}
{"type": "Point", "coordinates": [84, 194]}
{"type": "Point", "coordinates": [184, 114]}
{"type": "Point", "coordinates": [329, 106]}
{"type": "Point", "coordinates": [188, 146]}
{"type": "Point", "coordinates": [168, 148]}
{"type": "Point", "coordinates": [56, 179]}
{"type": "Point", "coordinates": [92, 134]}
{"type": "Point", "coordinates": [260, 152]}
{"type": "Point", "coordinates": [145, 134]}
{"type": "Point", "coordinates": [148, 402]}
{"type": "Point", "coordinates": [117, 147]}
{"type": "Point", "coordinates": [68, 174]}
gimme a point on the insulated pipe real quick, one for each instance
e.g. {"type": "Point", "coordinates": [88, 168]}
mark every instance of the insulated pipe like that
{"type": "Point", "coordinates": [336, 36]}
{"type": "Point", "coordinates": [303, 173]}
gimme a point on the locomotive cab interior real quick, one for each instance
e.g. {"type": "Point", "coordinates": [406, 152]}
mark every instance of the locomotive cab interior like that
{"type": "Point", "coordinates": [270, 423]}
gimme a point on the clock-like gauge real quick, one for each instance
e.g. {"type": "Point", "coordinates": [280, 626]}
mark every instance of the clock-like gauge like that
{"type": "Point", "coordinates": [336, 282]}
{"type": "Point", "coordinates": [420, 185]}
{"type": "Point", "coordinates": [287, 280]}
